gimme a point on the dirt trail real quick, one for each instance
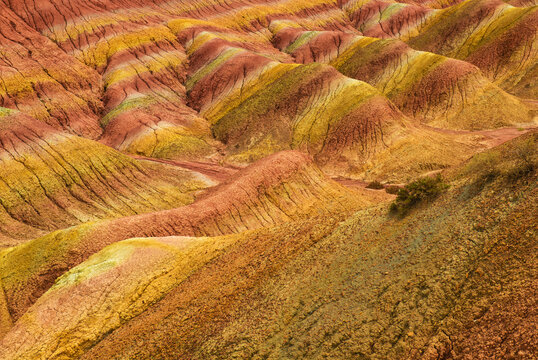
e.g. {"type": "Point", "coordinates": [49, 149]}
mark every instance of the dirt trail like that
{"type": "Point", "coordinates": [378, 195]}
{"type": "Point", "coordinates": [220, 173]}
{"type": "Point", "coordinates": [492, 137]}
{"type": "Point", "coordinates": [214, 171]}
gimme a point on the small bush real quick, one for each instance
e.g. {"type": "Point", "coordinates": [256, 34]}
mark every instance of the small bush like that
{"type": "Point", "coordinates": [423, 189]}
{"type": "Point", "coordinates": [375, 185]}
{"type": "Point", "coordinates": [392, 189]}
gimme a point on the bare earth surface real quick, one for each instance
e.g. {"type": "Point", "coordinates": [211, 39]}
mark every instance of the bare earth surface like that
{"type": "Point", "coordinates": [293, 179]}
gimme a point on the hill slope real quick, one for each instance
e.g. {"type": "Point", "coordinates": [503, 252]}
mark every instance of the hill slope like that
{"type": "Point", "coordinates": [369, 285]}
{"type": "Point", "coordinates": [212, 179]}
{"type": "Point", "coordinates": [51, 180]}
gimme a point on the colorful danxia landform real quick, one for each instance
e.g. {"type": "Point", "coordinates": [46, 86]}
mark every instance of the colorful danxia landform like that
{"type": "Point", "coordinates": [243, 179]}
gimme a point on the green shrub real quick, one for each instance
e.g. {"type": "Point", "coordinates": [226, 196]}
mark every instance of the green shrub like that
{"type": "Point", "coordinates": [392, 189]}
{"type": "Point", "coordinates": [423, 189]}
{"type": "Point", "coordinates": [375, 185]}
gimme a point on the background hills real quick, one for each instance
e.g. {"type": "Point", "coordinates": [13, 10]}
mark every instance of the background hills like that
{"type": "Point", "coordinates": [197, 179]}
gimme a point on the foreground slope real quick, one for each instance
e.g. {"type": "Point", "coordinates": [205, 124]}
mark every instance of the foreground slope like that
{"type": "Point", "coordinates": [371, 285]}
{"type": "Point", "coordinates": [453, 279]}
{"type": "Point", "coordinates": [280, 188]}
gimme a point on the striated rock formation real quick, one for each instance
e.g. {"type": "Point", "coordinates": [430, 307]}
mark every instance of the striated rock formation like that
{"type": "Point", "coordinates": [41, 80]}
{"type": "Point", "coordinates": [500, 39]}
{"type": "Point", "coordinates": [213, 179]}
{"type": "Point", "coordinates": [280, 188]}
{"type": "Point", "coordinates": [435, 89]}
{"type": "Point", "coordinates": [497, 37]}
{"type": "Point", "coordinates": [51, 180]}
{"type": "Point", "coordinates": [371, 285]}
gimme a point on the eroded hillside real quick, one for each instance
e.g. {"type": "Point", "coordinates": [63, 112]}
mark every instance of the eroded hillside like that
{"type": "Point", "coordinates": [213, 179]}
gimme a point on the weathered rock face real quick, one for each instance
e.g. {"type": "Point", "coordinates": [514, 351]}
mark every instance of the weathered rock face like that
{"type": "Point", "coordinates": [43, 81]}
{"type": "Point", "coordinates": [279, 188]}
{"type": "Point", "coordinates": [500, 39]}
{"type": "Point", "coordinates": [51, 180]}
{"type": "Point", "coordinates": [344, 285]}
{"type": "Point", "coordinates": [172, 179]}
{"type": "Point", "coordinates": [435, 89]}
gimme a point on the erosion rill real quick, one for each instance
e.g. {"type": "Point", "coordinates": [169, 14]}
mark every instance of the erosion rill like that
{"type": "Point", "coordinates": [295, 179]}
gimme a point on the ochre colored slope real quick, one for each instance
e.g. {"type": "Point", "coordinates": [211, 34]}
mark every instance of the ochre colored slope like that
{"type": "Point", "coordinates": [135, 47]}
{"type": "Point", "coordinates": [386, 19]}
{"type": "Point", "coordinates": [455, 278]}
{"type": "Point", "coordinates": [145, 102]}
{"type": "Point", "coordinates": [170, 68]}
{"type": "Point", "coordinates": [441, 91]}
{"type": "Point", "coordinates": [245, 95]}
{"type": "Point", "coordinates": [51, 180]}
{"type": "Point", "coordinates": [257, 106]}
{"type": "Point", "coordinates": [125, 277]}
{"type": "Point", "coordinates": [435, 89]}
{"type": "Point", "coordinates": [40, 79]}
{"type": "Point", "coordinates": [312, 116]}
{"type": "Point", "coordinates": [499, 38]}
{"type": "Point", "coordinates": [280, 188]}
